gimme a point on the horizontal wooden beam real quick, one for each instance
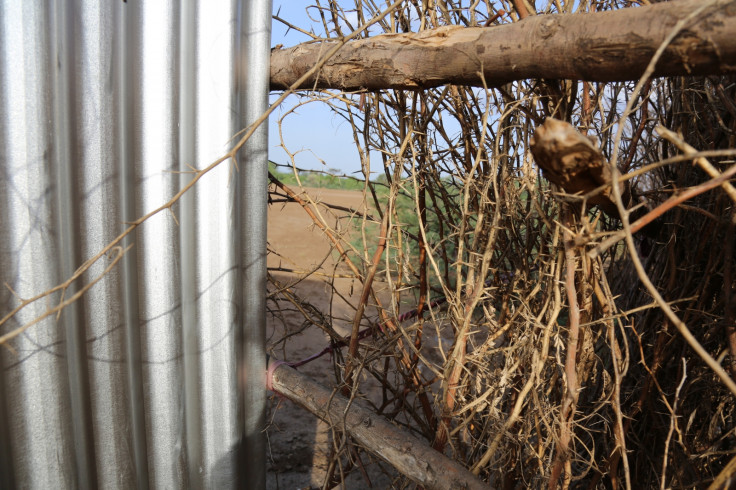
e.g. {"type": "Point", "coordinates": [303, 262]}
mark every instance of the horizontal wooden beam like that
{"type": "Point", "coordinates": [408, 454]}
{"type": "Point", "coordinates": [605, 46]}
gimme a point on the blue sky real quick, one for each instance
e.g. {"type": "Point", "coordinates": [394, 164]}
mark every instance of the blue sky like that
{"type": "Point", "coordinates": [313, 127]}
{"type": "Point", "coordinates": [322, 139]}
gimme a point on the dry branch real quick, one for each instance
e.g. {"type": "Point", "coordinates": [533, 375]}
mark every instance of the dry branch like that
{"type": "Point", "coordinates": [700, 161]}
{"type": "Point", "coordinates": [500, 376]}
{"type": "Point", "coordinates": [604, 46]}
{"type": "Point", "coordinates": [408, 454]}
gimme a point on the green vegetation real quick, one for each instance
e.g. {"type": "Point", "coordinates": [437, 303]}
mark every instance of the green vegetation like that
{"type": "Point", "coordinates": [404, 247]}
{"type": "Point", "coordinates": [327, 180]}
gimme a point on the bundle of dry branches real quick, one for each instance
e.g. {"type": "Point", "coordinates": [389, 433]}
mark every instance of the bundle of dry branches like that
{"type": "Point", "coordinates": [548, 361]}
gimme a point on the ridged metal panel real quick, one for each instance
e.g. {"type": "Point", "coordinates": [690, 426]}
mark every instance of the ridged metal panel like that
{"type": "Point", "coordinates": [103, 108]}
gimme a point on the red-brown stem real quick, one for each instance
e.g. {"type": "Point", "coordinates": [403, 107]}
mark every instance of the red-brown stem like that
{"type": "Point", "coordinates": [492, 19]}
{"type": "Point", "coordinates": [423, 282]}
{"type": "Point", "coordinates": [388, 322]}
{"type": "Point", "coordinates": [443, 429]}
{"type": "Point", "coordinates": [680, 198]}
{"type": "Point", "coordinates": [520, 8]}
{"type": "Point", "coordinates": [586, 104]}
{"type": "Point", "coordinates": [642, 124]}
{"type": "Point", "coordinates": [569, 401]}
{"type": "Point", "coordinates": [453, 382]}
{"type": "Point", "coordinates": [422, 205]}
{"type": "Point", "coordinates": [730, 308]}
{"type": "Point", "coordinates": [354, 338]}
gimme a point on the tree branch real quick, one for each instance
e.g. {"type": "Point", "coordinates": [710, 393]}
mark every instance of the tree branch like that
{"type": "Point", "coordinates": [408, 454]}
{"type": "Point", "coordinates": [604, 46]}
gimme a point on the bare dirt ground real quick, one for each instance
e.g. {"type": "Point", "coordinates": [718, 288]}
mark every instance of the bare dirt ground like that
{"type": "Point", "coordinates": [299, 444]}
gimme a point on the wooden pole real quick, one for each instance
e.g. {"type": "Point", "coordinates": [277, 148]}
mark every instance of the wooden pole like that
{"type": "Point", "coordinates": [408, 454]}
{"type": "Point", "coordinates": [605, 46]}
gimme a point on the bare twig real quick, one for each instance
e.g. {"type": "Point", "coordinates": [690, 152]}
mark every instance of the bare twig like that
{"type": "Point", "coordinates": [673, 423]}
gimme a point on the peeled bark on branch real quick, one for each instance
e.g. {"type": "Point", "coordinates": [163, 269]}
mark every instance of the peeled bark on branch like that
{"type": "Point", "coordinates": [408, 454]}
{"type": "Point", "coordinates": [605, 46]}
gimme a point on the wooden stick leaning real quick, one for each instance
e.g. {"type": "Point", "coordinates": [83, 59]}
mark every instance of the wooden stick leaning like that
{"type": "Point", "coordinates": [410, 455]}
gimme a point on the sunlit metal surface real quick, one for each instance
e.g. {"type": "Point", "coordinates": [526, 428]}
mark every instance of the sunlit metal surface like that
{"type": "Point", "coordinates": [102, 106]}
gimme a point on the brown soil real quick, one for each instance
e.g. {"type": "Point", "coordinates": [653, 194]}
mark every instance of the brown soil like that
{"type": "Point", "coordinates": [299, 444]}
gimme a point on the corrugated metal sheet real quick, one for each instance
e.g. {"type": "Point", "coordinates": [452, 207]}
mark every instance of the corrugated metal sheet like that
{"type": "Point", "coordinates": [103, 105]}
